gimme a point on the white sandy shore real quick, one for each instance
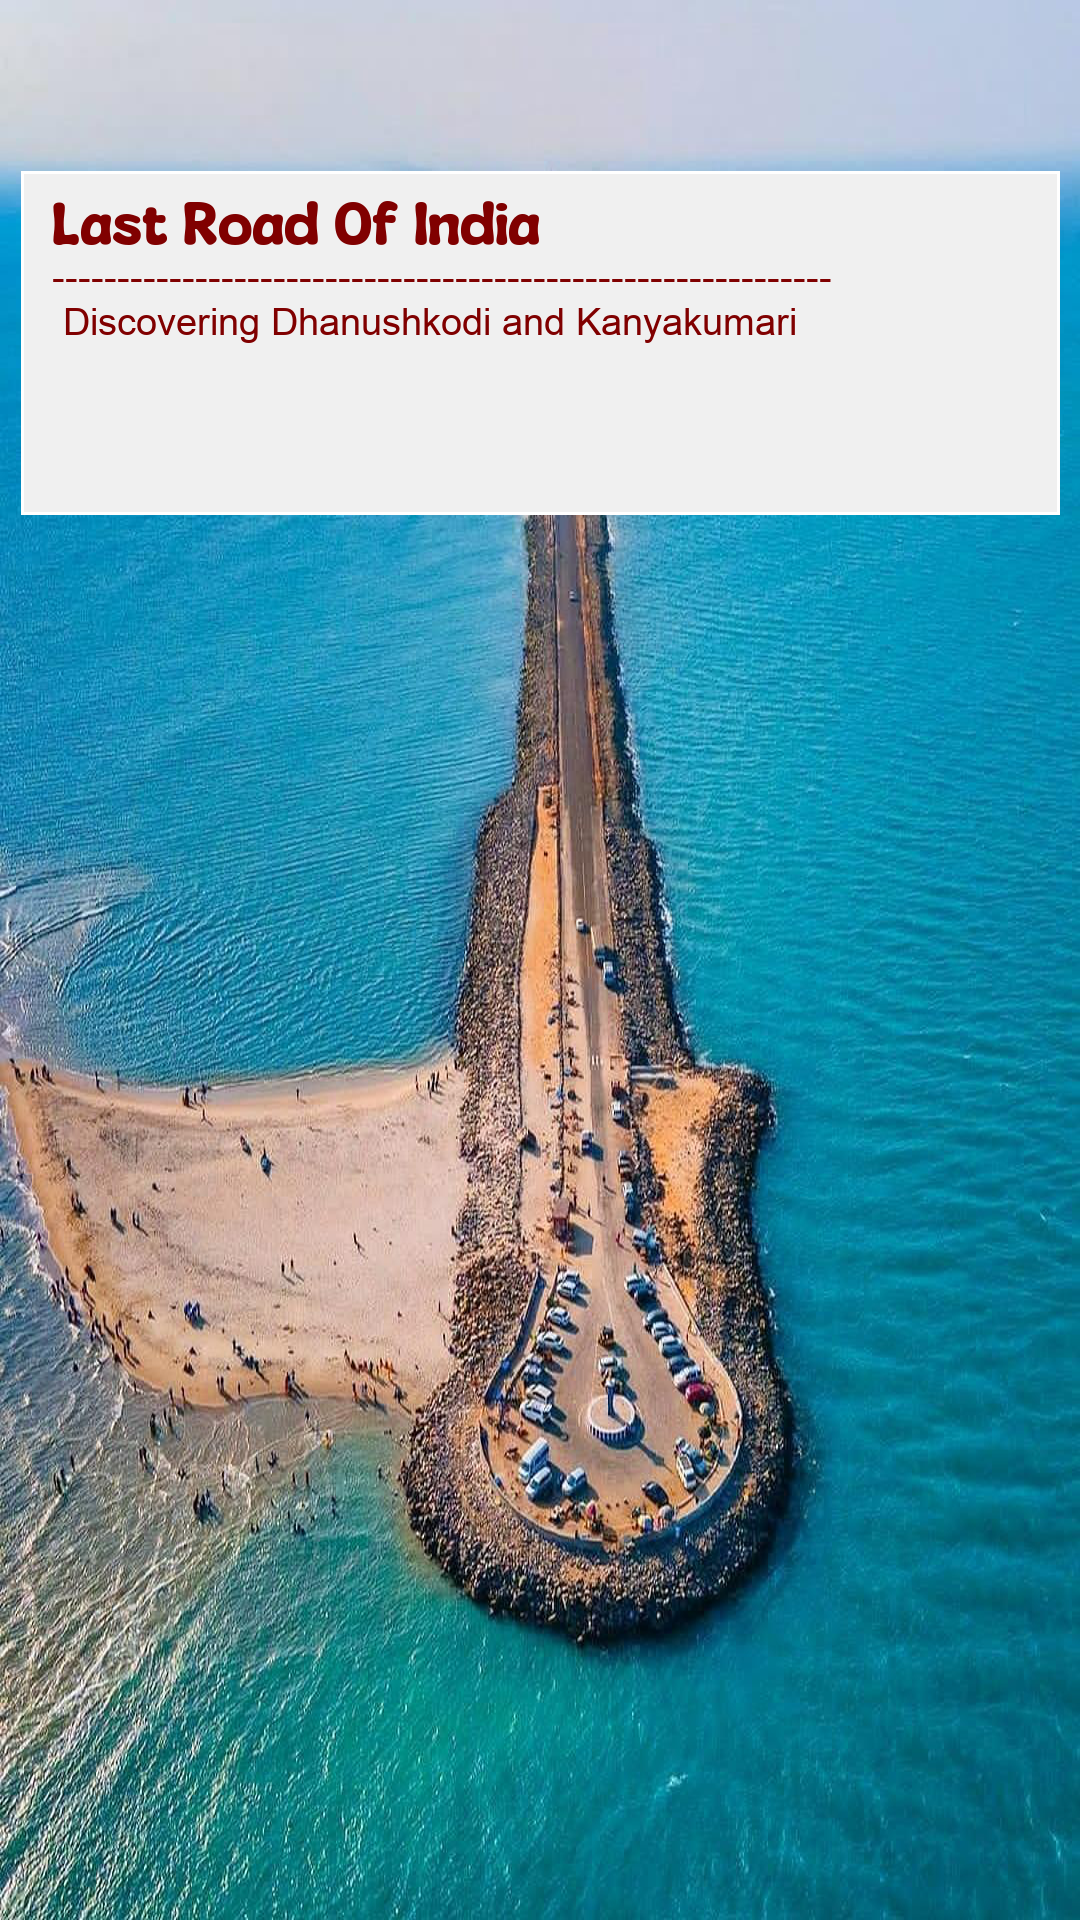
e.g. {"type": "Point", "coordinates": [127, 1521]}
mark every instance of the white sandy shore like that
{"type": "Point", "coordinates": [357, 1154]}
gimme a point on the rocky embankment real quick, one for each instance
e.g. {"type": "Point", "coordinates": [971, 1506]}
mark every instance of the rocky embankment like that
{"type": "Point", "coordinates": [492, 1551]}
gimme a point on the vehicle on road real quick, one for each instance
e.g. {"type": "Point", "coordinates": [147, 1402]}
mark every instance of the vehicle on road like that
{"type": "Point", "coordinates": [609, 973]}
{"type": "Point", "coordinates": [654, 1491]}
{"type": "Point", "coordinates": [606, 1335]}
{"type": "Point", "coordinates": [558, 1316]}
{"type": "Point", "coordinates": [688, 1374]}
{"type": "Point", "coordinates": [540, 1483]}
{"type": "Point", "coordinates": [610, 1367]}
{"type": "Point", "coordinates": [574, 595]}
{"type": "Point", "coordinates": [699, 1393]}
{"type": "Point", "coordinates": [582, 925]}
{"type": "Point", "coordinates": [532, 1460]}
{"type": "Point", "coordinates": [574, 1481]}
{"type": "Point", "coordinates": [588, 1140]}
{"type": "Point", "coordinates": [618, 1114]}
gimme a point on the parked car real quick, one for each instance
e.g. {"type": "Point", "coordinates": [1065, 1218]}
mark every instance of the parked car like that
{"type": "Point", "coordinates": [626, 1163]}
{"type": "Point", "coordinates": [574, 1481]}
{"type": "Point", "coordinates": [532, 1460]}
{"type": "Point", "coordinates": [606, 1335]}
{"type": "Point", "coordinates": [619, 1114]}
{"type": "Point", "coordinates": [609, 1363]}
{"type": "Point", "coordinates": [544, 1396]}
{"type": "Point", "coordinates": [635, 1280]}
{"type": "Point", "coordinates": [699, 1393]}
{"type": "Point", "coordinates": [548, 1341]}
{"type": "Point", "coordinates": [581, 925]}
{"type": "Point", "coordinates": [698, 1462]}
{"type": "Point", "coordinates": [687, 1374]}
{"type": "Point", "coordinates": [540, 1483]}
{"type": "Point", "coordinates": [566, 1289]}
{"type": "Point", "coordinates": [654, 1491]}
{"type": "Point", "coordinates": [676, 1361]}
{"type": "Point", "coordinates": [532, 1372]}
{"type": "Point", "coordinates": [669, 1343]}
{"type": "Point", "coordinates": [571, 1274]}
{"type": "Point", "coordinates": [535, 1411]}
{"type": "Point", "coordinates": [588, 1141]}
{"type": "Point", "coordinates": [654, 1316]}
{"type": "Point", "coordinates": [685, 1472]}
{"type": "Point", "coordinates": [662, 1330]}
{"type": "Point", "coordinates": [558, 1316]}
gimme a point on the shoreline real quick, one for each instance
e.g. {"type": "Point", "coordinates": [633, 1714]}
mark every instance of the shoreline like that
{"type": "Point", "coordinates": [342, 1147]}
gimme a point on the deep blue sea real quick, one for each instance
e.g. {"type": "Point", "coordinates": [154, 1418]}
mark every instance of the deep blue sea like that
{"type": "Point", "coordinates": [242, 765]}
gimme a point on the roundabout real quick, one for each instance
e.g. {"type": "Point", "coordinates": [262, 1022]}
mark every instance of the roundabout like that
{"type": "Point", "coordinates": [612, 1419]}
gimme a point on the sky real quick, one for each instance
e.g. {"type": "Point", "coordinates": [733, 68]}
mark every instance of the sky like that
{"type": "Point", "coordinates": [559, 83]}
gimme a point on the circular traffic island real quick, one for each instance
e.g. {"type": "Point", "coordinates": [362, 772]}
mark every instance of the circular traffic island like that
{"type": "Point", "coordinates": [614, 1421]}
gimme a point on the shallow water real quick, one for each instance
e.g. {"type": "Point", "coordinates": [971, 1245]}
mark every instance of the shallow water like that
{"type": "Point", "coordinates": [858, 744]}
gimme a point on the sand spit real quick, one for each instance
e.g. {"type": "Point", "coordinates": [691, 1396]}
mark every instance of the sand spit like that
{"type": "Point", "coordinates": [308, 1244]}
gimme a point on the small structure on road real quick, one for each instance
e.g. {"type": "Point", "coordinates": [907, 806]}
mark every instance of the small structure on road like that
{"type": "Point", "coordinates": [560, 1218]}
{"type": "Point", "coordinates": [612, 1418]}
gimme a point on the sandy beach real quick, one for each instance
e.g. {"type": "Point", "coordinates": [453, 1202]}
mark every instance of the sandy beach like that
{"type": "Point", "coordinates": [331, 1235]}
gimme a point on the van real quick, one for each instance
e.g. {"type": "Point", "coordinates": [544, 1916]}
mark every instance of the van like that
{"type": "Point", "coordinates": [532, 1461]}
{"type": "Point", "coordinates": [540, 1483]}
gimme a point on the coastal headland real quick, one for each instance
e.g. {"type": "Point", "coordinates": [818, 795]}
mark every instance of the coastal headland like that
{"type": "Point", "coordinates": [242, 1240]}
{"type": "Point", "coordinates": [557, 1112]}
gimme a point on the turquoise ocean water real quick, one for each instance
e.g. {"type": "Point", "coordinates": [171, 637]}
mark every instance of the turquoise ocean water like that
{"type": "Point", "coordinates": [242, 766]}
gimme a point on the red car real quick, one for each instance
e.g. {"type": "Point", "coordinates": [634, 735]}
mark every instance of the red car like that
{"type": "Point", "coordinates": [698, 1392]}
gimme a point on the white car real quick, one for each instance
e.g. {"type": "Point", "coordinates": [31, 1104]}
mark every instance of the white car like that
{"type": "Point", "coordinates": [574, 1481]}
{"type": "Point", "coordinates": [567, 1289]}
{"type": "Point", "coordinates": [558, 1316]}
{"type": "Point", "coordinates": [536, 1411]}
{"type": "Point", "coordinates": [688, 1375]}
{"type": "Point", "coordinates": [540, 1483]}
{"type": "Point", "coordinates": [618, 1113]}
{"type": "Point", "coordinates": [685, 1472]}
{"type": "Point", "coordinates": [548, 1341]}
{"type": "Point", "coordinates": [582, 925]}
{"type": "Point", "coordinates": [571, 1274]}
{"type": "Point", "coordinates": [663, 1330]}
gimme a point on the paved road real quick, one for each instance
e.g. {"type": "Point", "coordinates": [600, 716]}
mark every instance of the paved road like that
{"type": "Point", "coordinates": [592, 1029]}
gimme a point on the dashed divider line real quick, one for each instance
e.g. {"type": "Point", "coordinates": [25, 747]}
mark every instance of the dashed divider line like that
{"type": "Point", "coordinates": [447, 280]}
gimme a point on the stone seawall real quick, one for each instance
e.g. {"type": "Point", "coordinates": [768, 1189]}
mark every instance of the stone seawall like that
{"type": "Point", "coordinates": [453, 1503]}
